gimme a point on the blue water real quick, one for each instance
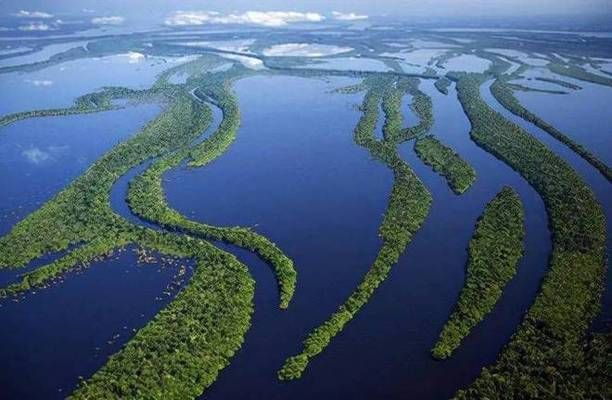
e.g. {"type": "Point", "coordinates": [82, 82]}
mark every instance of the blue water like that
{"type": "Point", "coordinates": [591, 176]}
{"type": "Point", "coordinates": [56, 86]}
{"type": "Point", "coordinates": [295, 175]}
{"type": "Point", "coordinates": [68, 330]}
{"type": "Point", "coordinates": [41, 156]}
{"type": "Point", "coordinates": [42, 55]}
{"type": "Point", "coordinates": [584, 115]}
{"type": "Point", "coordinates": [325, 216]}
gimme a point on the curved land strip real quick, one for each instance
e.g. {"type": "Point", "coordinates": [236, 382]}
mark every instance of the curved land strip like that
{"type": "Point", "coordinates": [89, 103]}
{"type": "Point", "coordinates": [503, 93]}
{"type": "Point", "coordinates": [219, 92]}
{"type": "Point", "coordinates": [179, 353]}
{"type": "Point", "coordinates": [458, 173]}
{"type": "Point", "coordinates": [522, 88]}
{"type": "Point", "coordinates": [81, 212]}
{"type": "Point", "coordinates": [393, 130]}
{"type": "Point", "coordinates": [146, 196]}
{"type": "Point", "coordinates": [576, 72]}
{"type": "Point", "coordinates": [409, 205]}
{"type": "Point", "coordinates": [565, 84]}
{"type": "Point", "coordinates": [545, 357]}
{"type": "Point", "coordinates": [442, 85]}
{"type": "Point", "coordinates": [495, 250]}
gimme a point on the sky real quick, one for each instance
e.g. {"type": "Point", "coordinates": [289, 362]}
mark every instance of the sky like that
{"type": "Point", "coordinates": [157, 10]}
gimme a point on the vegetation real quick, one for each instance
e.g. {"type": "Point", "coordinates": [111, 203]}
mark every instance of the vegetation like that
{"type": "Point", "coordinates": [225, 135]}
{"type": "Point", "coordinates": [350, 89]}
{"type": "Point", "coordinates": [494, 253]}
{"type": "Point", "coordinates": [393, 128]}
{"type": "Point", "coordinates": [442, 85]}
{"type": "Point", "coordinates": [541, 359]}
{"type": "Point", "coordinates": [559, 82]}
{"type": "Point", "coordinates": [576, 72]}
{"type": "Point", "coordinates": [181, 351]}
{"type": "Point", "coordinates": [146, 196]}
{"type": "Point", "coordinates": [458, 173]}
{"type": "Point", "coordinates": [504, 95]}
{"type": "Point", "coordinates": [408, 207]}
{"type": "Point", "coordinates": [515, 86]}
{"type": "Point", "coordinates": [89, 103]}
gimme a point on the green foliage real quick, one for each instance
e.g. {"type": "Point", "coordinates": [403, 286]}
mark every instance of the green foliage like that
{"type": "Point", "coordinates": [181, 351]}
{"type": "Point", "coordinates": [89, 103]}
{"type": "Point", "coordinates": [458, 173]}
{"type": "Point", "coordinates": [559, 82]}
{"type": "Point", "coordinates": [442, 85]}
{"type": "Point", "coordinates": [409, 205]}
{"type": "Point", "coordinates": [544, 354]}
{"type": "Point", "coordinates": [146, 196]}
{"type": "Point", "coordinates": [81, 212]}
{"type": "Point", "coordinates": [503, 94]}
{"type": "Point", "coordinates": [393, 130]}
{"type": "Point", "coordinates": [517, 87]}
{"type": "Point", "coordinates": [576, 72]}
{"type": "Point", "coordinates": [494, 253]}
{"type": "Point", "coordinates": [220, 141]}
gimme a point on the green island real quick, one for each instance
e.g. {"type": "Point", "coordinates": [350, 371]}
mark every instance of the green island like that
{"type": "Point", "coordinates": [146, 197]}
{"type": "Point", "coordinates": [408, 206]}
{"type": "Point", "coordinates": [443, 84]}
{"type": "Point", "coordinates": [458, 173]}
{"type": "Point", "coordinates": [394, 131]}
{"type": "Point", "coordinates": [548, 348]}
{"type": "Point", "coordinates": [503, 93]}
{"type": "Point", "coordinates": [494, 252]}
{"type": "Point", "coordinates": [522, 88]}
{"type": "Point", "coordinates": [89, 103]}
{"type": "Point", "coordinates": [577, 72]}
{"type": "Point", "coordinates": [562, 83]}
{"type": "Point", "coordinates": [555, 353]}
{"type": "Point", "coordinates": [181, 351]}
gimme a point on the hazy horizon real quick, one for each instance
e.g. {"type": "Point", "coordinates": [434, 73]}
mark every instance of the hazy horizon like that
{"type": "Point", "coordinates": [156, 10]}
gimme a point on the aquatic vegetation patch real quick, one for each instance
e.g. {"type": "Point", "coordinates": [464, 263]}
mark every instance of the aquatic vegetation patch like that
{"type": "Point", "coordinates": [547, 349]}
{"type": "Point", "coordinates": [89, 103]}
{"type": "Point", "coordinates": [146, 196]}
{"type": "Point", "coordinates": [181, 351]}
{"type": "Point", "coordinates": [458, 173]}
{"type": "Point", "coordinates": [565, 84]}
{"type": "Point", "coordinates": [503, 93]}
{"type": "Point", "coordinates": [408, 206]}
{"type": "Point", "coordinates": [442, 85]}
{"type": "Point", "coordinates": [393, 129]}
{"type": "Point", "coordinates": [577, 72]}
{"type": "Point", "coordinates": [494, 252]}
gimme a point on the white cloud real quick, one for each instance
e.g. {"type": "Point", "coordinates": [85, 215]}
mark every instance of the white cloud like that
{"type": "Point", "coordinates": [32, 14]}
{"type": "Point", "coordinates": [348, 16]}
{"type": "Point", "coordinates": [264, 18]}
{"type": "Point", "coordinates": [36, 155]}
{"type": "Point", "coordinates": [304, 50]}
{"type": "Point", "coordinates": [36, 26]}
{"type": "Point", "coordinates": [88, 10]}
{"type": "Point", "coordinates": [114, 20]}
{"type": "Point", "coordinates": [40, 82]}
